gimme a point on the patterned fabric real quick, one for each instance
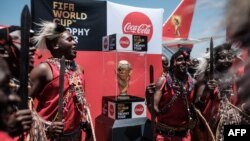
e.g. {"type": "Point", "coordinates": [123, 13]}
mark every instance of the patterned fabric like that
{"type": "Point", "coordinates": [73, 102]}
{"type": "Point", "coordinates": [230, 115]}
{"type": "Point", "coordinates": [217, 107]}
{"type": "Point", "coordinates": [177, 114]}
{"type": "Point", "coordinates": [37, 131]}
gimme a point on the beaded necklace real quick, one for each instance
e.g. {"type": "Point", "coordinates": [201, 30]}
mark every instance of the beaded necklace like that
{"type": "Point", "coordinates": [179, 88]}
{"type": "Point", "coordinates": [228, 113]}
{"type": "Point", "coordinates": [70, 65]}
{"type": "Point", "coordinates": [75, 84]}
{"type": "Point", "coordinates": [225, 84]}
{"type": "Point", "coordinates": [184, 91]}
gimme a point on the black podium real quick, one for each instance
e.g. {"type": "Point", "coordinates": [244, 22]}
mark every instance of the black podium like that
{"type": "Point", "coordinates": [123, 120]}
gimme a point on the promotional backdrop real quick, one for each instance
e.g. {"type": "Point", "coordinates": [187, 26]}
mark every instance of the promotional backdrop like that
{"type": "Point", "coordinates": [89, 22]}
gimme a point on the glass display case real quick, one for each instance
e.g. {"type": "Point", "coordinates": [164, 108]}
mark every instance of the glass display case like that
{"type": "Point", "coordinates": [124, 69]}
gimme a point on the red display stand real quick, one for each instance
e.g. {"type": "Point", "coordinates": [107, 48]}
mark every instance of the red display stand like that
{"type": "Point", "coordinates": [123, 120]}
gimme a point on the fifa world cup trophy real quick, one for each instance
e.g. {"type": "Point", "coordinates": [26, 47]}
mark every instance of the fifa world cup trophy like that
{"type": "Point", "coordinates": [123, 77]}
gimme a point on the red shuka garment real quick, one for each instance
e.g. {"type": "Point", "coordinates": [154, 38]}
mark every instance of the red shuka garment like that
{"type": "Point", "coordinates": [47, 101]}
{"type": "Point", "coordinates": [177, 114]}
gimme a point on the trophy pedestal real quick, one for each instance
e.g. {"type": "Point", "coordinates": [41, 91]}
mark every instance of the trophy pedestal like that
{"type": "Point", "coordinates": [123, 97]}
{"type": "Point", "coordinates": [123, 120]}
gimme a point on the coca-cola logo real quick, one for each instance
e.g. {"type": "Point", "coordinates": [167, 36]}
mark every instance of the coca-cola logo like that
{"type": "Point", "coordinates": [124, 42]}
{"type": "Point", "coordinates": [105, 43]}
{"type": "Point", "coordinates": [111, 110]}
{"type": "Point", "coordinates": [139, 109]}
{"type": "Point", "coordinates": [139, 24]}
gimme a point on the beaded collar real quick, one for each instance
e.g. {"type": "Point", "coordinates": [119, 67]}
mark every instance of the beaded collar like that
{"type": "Point", "coordinates": [75, 84]}
{"type": "Point", "coordinates": [180, 86]}
{"type": "Point", "coordinates": [225, 84]}
{"type": "Point", "coordinates": [69, 64]}
{"type": "Point", "coordinates": [179, 89]}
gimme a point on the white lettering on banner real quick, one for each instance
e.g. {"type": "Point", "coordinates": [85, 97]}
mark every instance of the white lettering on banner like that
{"type": "Point", "coordinates": [78, 32]}
{"type": "Point", "coordinates": [141, 29]}
{"type": "Point", "coordinates": [75, 38]}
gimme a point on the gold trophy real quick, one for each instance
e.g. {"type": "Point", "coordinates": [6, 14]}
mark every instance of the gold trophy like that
{"type": "Point", "coordinates": [123, 77]}
{"type": "Point", "coordinates": [176, 20]}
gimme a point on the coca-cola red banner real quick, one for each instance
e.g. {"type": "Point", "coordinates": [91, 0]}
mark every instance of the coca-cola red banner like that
{"type": "Point", "coordinates": [141, 26]}
{"type": "Point", "coordinates": [87, 20]}
{"type": "Point", "coordinates": [123, 19]}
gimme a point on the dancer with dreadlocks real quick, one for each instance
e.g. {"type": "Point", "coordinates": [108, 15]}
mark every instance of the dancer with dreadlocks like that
{"type": "Point", "coordinates": [217, 97]}
{"type": "Point", "coordinates": [45, 86]}
{"type": "Point", "coordinates": [239, 33]}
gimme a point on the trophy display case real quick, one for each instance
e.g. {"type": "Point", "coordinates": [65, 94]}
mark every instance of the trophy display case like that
{"type": "Point", "coordinates": [124, 65]}
{"type": "Point", "coordinates": [123, 106]}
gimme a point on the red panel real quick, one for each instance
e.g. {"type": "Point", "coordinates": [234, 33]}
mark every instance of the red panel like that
{"type": "Point", "coordinates": [184, 14]}
{"type": "Point", "coordinates": [100, 74]}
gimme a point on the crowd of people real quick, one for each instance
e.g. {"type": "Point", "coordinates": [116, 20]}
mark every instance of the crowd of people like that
{"type": "Point", "coordinates": [206, 98]}
{"type": "Point", "coordinates": [205, 93]}
{"type": "Point", "coordinates": [192, 94]}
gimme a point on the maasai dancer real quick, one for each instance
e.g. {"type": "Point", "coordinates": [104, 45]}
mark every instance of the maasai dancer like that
{"type": "Point", "coordinates": [45, 85]}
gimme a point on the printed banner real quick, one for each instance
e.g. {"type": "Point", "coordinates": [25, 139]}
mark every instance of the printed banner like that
{"type": "Point", "coordinates": [87, 21]}
{"type": "Point", "coordinates": [123, 19]}
{"type": "Point", "coordinates": [124, 43]}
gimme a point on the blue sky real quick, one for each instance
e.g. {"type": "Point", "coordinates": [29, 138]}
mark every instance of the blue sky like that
{"type": "Point", "coordinates": [207, 20]}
